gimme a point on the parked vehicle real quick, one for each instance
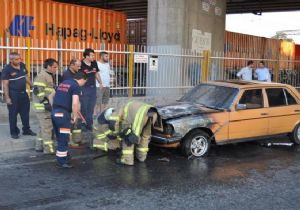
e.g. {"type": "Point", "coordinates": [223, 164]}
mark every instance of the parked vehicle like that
{"type": "Point", "coordinates": [223, 112]}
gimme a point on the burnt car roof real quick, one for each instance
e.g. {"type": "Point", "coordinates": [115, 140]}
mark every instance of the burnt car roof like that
{"type": "Point", "coordinates": [245, 84]}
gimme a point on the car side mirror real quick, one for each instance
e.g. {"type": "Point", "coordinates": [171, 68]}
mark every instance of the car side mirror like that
{"type": "Point", "coordinates": [241, 106]}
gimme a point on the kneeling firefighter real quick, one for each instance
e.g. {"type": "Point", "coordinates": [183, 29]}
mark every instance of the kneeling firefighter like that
{"type": "Point", "coordinates": [132, 125]}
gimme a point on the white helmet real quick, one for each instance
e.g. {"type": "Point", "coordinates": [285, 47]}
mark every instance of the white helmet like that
{"type": "Point", "coordinates": [108, 112]}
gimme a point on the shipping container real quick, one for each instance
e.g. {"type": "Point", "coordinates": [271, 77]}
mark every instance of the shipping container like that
{"type": "Point", "coordinates": [239, 45]}
{"type": "Point", "coordinates": [137, 31]}
{"type": "Point", "coordinates": [51, 24]}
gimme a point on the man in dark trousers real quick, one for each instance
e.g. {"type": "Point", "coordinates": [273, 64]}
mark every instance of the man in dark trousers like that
{"type": "Point", "coordinates": [66, 111]}
{"type": "Point", "coordinates": [88, 98]}
{"type": "Point", "coordinates": [14, 83]}
{"type": "Point", "coordinates": [74, 67]}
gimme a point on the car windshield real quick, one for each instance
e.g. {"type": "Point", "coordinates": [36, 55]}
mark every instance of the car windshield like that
{"type": "Point", "coordinates": [211, 96]}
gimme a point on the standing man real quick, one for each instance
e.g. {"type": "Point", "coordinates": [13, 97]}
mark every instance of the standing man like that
{"type": "Point", "coordinates": [74, 67]}
{"type": "Point", "coordinates": [246, 72]}
{"type": "Point", "coordinates": [104, 93]}
{"type": "Point", "coordinates": [14, 84]}
{"type": "Point", "coordinates": [43, 93]}
{"type": "Point", "coordinates": [262, 73]}
{"type": "Point", "coordinates": [65, 111]}
{"type": "Point", "coordinates": [88, 98]}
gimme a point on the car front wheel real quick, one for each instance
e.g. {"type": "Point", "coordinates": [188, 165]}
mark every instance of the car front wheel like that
{"type": "Point", "coordinates": [295, 135]}
{"type": "Point", "coordinates": [197, 143]}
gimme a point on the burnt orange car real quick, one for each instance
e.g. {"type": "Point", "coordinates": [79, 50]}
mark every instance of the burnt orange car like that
{"type": "Point", "coordinates": [222, 112]}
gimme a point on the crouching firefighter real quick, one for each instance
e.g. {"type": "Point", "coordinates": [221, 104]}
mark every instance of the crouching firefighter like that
{"type": "Point", "coordinates": [133, 125]}
{"type": "Point", "coordinates": [43, 93]}
{"type": "Point", "coordinates": [65, 111]}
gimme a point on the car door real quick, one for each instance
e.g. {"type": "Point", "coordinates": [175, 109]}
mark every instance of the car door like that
{"type": "Point", "coordinates": [252, 120]}
{"type": "Point", "coordinates": [284, 111]}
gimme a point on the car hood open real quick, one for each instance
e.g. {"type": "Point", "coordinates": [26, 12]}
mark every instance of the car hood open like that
{"type": "Point", "coordinates": [180, 109]}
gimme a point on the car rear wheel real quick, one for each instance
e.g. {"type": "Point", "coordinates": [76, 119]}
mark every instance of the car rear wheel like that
{"type": "Point", "coordinates": [295, 135]}
{"type": "Point", "coordinates": [197, 143]}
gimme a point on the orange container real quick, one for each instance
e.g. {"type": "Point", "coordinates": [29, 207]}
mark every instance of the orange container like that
{"type": "Point", "coordinates": [51, 24]}
{"type": "Point", "coordinates": [247, 46]}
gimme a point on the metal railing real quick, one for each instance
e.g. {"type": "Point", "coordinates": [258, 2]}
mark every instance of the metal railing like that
{"type": "Point", "coordinates": [150, 70]}
{"type": "Point", "coordinates": [135, 70]}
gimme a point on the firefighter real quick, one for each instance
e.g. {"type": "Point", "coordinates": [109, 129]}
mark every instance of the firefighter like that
{"type": "Point", "coordinates": [43, 93]}
{"type": "Point", "coordinates": [132, 125]}
{"type": "Point", "coordinates": [66, 108]}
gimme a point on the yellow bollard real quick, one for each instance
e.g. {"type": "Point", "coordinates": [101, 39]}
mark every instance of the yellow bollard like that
{"type": "Point", "coordinates": [205, 66]}
{"type": "Point", "coordinates": [130, 69]}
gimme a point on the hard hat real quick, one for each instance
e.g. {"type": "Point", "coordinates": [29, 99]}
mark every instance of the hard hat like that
{"type": "Point", "coordinates": [108, 112]}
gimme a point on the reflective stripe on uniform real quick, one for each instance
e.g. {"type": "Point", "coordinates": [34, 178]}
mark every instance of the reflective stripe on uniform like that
{"type": "Point", "coordinates": [40, 84]}
{"type": "Point", "coordinates": [76, 131]}
{"type": "Point", "coordinates": [50, 145]}
{"type": "Point", "coordinates": [47, 89]}
{"type": "Point", "coordinates": [101, 146]}
{"type": "Point", "coordinates": [127, 152]}
{"type": "Point", "coordinates": [61, 154]}
{"type": "Point", "coordinates": [138, 119]}
{"type": "Point", "coordinates": [103, 135]}
{"type": "Point", "coordinates": [115, 118]}
{"type": "Point", "coordinates": [41, 94]}
{"type": "Point", "coordinates": [58, 114]}
{"type": "Point", "coordinates": [65, 130]}
{"type": "Point", "coordinates": [143, 149]}
{"type": "Point", "coordinates": [20, 77]}
{"type": "Point", "coordinates": [38, 106]}
{"type": "Point", "coordinates": [119, 138]}
{"type": "Point", "coordinates": [126, 110]}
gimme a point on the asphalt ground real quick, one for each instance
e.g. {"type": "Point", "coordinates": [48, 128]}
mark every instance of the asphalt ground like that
{"type": "Point", "coordinates": [238, 176]}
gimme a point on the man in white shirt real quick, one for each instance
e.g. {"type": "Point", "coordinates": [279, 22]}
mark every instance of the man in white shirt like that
{"type": "Point", "coordinates": [103, 95]}
{"type": "Point", "coordinates": [246, 72]}
{"type": "Point", "coordinates": [262, 73]}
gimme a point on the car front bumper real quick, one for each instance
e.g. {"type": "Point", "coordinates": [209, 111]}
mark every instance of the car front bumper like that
{"type": "Point", "coordinates": [157, 139]}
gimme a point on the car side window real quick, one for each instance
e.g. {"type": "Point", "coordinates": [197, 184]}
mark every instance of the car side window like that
{"type": "Point", "coordinates": [252, 98]}
{"type": "Point", "coordinates": [290, 99]}
{"type": "Point", "coordinates": [276, 97]}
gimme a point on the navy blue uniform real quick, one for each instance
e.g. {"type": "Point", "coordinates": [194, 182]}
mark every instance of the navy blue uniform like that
{"type": "Point", "coordinates": [68, 74]}
{"type": "Point", "coordinates": [88, 98]}
{"type": "Point", "coordinates": [61, 116]}
{"type": "Point", "coordinates": [19, 98]}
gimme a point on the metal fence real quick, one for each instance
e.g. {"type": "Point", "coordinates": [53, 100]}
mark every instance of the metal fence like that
{"type": "Point", "coordinates": [149, 70]}
{"type": "Point", "coordinates": [135, 70]}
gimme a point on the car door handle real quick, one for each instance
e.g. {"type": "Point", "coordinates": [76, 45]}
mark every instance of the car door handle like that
{"type": "Point", "coordinates": [264, 114]}
{"type": "Point", "coordinates": [297, 110]}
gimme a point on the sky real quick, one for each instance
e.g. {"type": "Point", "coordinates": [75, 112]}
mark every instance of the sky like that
{"type": "Point", "coordinates": [266, 24]}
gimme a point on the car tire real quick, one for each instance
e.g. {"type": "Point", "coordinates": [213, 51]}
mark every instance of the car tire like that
{"type": "Point", "coordinates": [295, 135]}
{"type": "Point", "coordinates": [197, 143]}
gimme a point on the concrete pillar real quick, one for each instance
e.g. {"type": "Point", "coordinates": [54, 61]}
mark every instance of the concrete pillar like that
{"type": "Point", "coordinates": [174, 25]}
{"type": "Point", "coordinates": [171, 22]}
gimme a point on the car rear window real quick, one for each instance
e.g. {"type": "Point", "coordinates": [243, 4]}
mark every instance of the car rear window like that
{"type": "Point", "coordinates": [290, 99]}
{"type": "Point", "coordinates": [276, 97]}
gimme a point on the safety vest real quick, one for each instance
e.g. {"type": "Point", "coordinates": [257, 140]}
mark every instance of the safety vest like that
{"type": "Point", "coordinates": [44, 85]}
